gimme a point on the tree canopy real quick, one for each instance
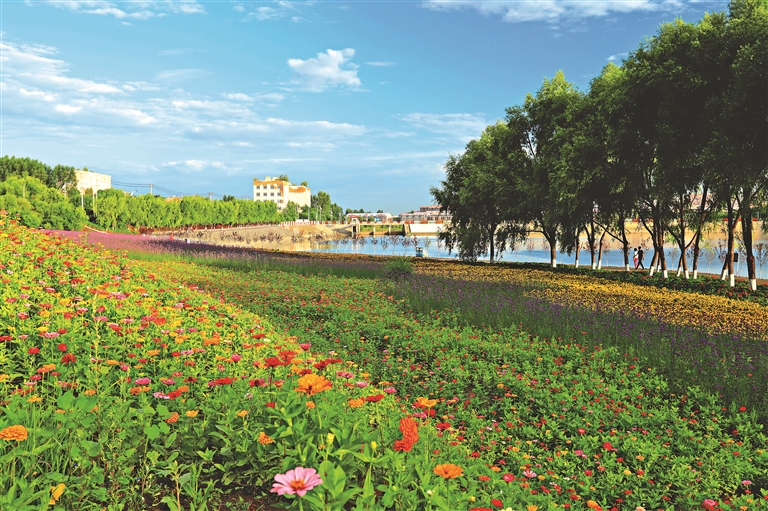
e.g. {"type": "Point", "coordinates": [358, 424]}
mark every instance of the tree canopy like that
{"type": "Point", "coordinates": [670, 137]}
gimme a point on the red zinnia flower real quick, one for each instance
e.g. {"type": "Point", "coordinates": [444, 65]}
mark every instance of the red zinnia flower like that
{"type": "Point", "coordinates": [62, 347]}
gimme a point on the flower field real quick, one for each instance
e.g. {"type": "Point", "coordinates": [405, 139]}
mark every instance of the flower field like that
{"type": "Point", "coordinates": [164, 384]}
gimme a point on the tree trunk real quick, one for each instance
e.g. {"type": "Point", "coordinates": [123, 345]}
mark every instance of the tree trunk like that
{"type": "Point", "coordinates": [699, 227]}
{"type": "Point", "coordinates": [491, 233]}
{"type": "Point", "coordinates": [729, 254]}
{"type": "Point", "coordinates": [591, 243]}
{"type": "Point", "coordinates": [553, 254]}
{"type": "Point", "coordinates": [624, 244]}
{"type": "Point", "coordinates": [600, 252]}
{"type": "Point", "coordinates": [578, 249]}
{"type": "Point", "coordinates": [652, 231]}
{"type": "Point", "coordinates": [696, 240]}
{"type": "Point", "coordinates": [662, 256]}
{"type": "Point", "coordinates": [745, 211]}
{"type": "Point", "coordinates": [652, 266]}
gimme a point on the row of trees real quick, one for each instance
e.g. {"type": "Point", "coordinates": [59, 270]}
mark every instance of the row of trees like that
{"type": "Point", "coordinates": [59, 177]}
{"type": "Point", "coordinates": [674, 137]}
{"type": "Point", "coordinates": [38, 205]}
{"type": "Point", "coordinates": [114, 209]}
{"type": "Point", "coordinates": [45, 196]}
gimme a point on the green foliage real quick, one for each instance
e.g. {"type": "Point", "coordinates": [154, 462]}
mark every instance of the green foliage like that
{"type": "Point", "coordinates": [56, 177]}
{"type": "Point", "coordinates": [685, 114]}
{"type": "Point", "coordinates": [37, 205]}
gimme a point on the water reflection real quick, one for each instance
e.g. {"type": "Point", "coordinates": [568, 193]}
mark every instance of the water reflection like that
{"type": "Point", "coordinates": [709, 262]}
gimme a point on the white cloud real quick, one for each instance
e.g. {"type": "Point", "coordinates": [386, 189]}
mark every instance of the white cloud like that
{"type": "Point", "coordinates": [380, 64]}
{"type": "Point", "coordinates": [276, 10]}
{"type": "Point", "coordinates": [238, 8]}
{"type": "Point", "coordinates": [35, 67]}
{"type": "Point", "coordinates": [68, 109]}
{"type": "Point", "coordinates": [273, 97]}
{"type": "Point", "coordinates": [518, 11]}
{"type": "Point", "coordinates": [179, 75]}
{"type": "Point", "coordinates": [37, 94]}
{"type": "Point", "coordinates": [618, 56]}
{"type": "Point", "coordinates": [462, 127]}
{"type": "Point", "coordinates": [130, 10]}
{"type": "Point", "coordinates": [265, 13]}
{"type": "Point", "coordinates": [327, 70]}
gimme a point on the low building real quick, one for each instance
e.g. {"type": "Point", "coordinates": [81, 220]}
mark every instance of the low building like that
{"type": "Point", "coordinates": [92, 180]}
{"type": "Point", "coordinates": [426, 214]}
{"type": "Point", "coordinates": [281, 192]}
{"type": "Point", "coordinates": [383, 218]}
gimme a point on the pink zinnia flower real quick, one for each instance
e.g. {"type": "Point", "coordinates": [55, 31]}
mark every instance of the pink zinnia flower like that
{"type": "Point", "coordinates": [297, 481]}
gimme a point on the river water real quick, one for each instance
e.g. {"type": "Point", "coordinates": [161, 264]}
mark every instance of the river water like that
{"type": "Point", "coordinates": [531, 252]}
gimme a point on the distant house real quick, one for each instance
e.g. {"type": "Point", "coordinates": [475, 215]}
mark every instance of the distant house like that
{"type": "Point", "coordinates": [92, 180]}
{"type": "Point", "coordinates": [426, 214]}
{"type": "Point", "coordinates": [384, 218]}
{"type": "Point", "coordinates": [281, 192]}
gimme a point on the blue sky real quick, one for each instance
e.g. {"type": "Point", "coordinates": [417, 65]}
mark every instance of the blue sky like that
{"type": "Point", "coordinates": [364, 100]}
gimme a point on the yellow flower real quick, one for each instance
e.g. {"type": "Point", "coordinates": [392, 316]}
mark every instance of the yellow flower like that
{"type": "Point", "coordinates": [34, 399]}
{"type": "Point", "coordinates": [56, 492]}
{"type": "Point", "coordinates": [532, 508]}
{"type": "Point", "coordinates": [89, 392]}
{"type": "Point", "coordinates": [192, 413]}
{"type": "Point", "coordinates": [242, 413]}
{"type": "Point", "coordinates": [16, 432]}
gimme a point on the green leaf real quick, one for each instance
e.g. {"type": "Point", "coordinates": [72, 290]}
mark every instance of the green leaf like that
{"type": "Point", "coordinates": [66, 400]}
{"type": "Point", "coordinates": [92, 449]}
{"type": "Point", "coordinates": [152, 431]}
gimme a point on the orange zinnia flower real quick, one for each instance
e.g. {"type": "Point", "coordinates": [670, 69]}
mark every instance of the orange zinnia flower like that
{"type": "Point", "coordinates": [356, 403]}
{"type": "Point", "coordinates": [173, 418]}
{"type": "Point", "coordinates": [423, 402]}
{"type": "Point", "coordinates": [311, 384]}
{"type": "Point", "coordinates": [448, 471]}
{"type": "Point", "coordinates": [410, 430]}
{"type": "Point", "coordinates": [17, 432]}
{"type": "Point", "coordinates": [265, 439]}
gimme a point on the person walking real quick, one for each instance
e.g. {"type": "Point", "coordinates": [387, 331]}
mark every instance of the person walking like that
{"type": "Point", "coordinates": [640, 255]}
{"type": "Point", "coordinates": [634, 258]}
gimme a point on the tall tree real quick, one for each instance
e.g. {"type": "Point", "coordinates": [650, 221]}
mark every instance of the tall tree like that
{"type": "Point", "coordinates": [477, 192]}
{"type": "Point", "coordinates": [535, 126]}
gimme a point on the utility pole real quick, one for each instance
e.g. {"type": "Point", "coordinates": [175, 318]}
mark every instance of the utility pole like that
{"type": "Point", "coordinates": [150, 189]}
{"type": "Point", "coordinates": [210, 195]}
